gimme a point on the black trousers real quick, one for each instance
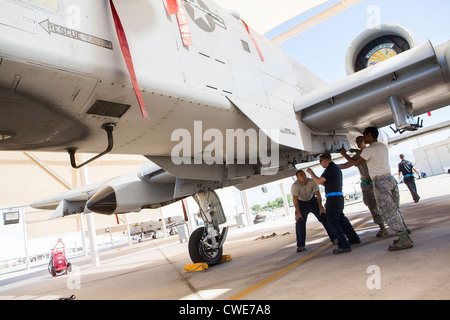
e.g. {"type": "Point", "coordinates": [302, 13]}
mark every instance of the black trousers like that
{"type": "Point", "coordinates": [300, 226]}
{"type": "Point", "coordinates": [339, 223]}
{"type": "Point", "coordinates": [411, 184]}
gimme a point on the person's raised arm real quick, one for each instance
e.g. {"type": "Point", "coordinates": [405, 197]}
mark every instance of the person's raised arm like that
{"type": "Point", "coordinates": [350, 160]}
{"type": "Point", "coordinates": [316, 179]}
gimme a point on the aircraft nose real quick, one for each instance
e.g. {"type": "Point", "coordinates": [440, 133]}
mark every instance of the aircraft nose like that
{"type": "Point", "coordinates": [104, 201]}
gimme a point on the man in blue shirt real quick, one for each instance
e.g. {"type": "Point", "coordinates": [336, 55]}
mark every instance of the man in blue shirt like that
{"type": "Point", "coordinates": [406, 168]}
{"type": "Point", "coordinates": [342, 229]}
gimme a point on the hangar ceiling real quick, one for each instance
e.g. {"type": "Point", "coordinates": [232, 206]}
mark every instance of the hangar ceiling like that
{"type": "Point", "coordinates": [264, 15]}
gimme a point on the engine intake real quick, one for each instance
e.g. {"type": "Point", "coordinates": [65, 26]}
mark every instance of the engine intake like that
{"type": "Point", "coordinates": [376, 45]}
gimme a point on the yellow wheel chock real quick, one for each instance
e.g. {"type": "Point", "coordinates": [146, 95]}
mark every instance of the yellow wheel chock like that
{"type": "Point", "coordinates": [225, 258]}
{"type": "Point", "coordinates": [195, 267]}
{"type": "Point", "coordinates": [202, 266]}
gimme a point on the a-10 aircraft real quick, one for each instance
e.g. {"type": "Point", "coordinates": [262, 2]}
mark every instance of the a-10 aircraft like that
{"type": "Point", "coordinates": [189, 85]}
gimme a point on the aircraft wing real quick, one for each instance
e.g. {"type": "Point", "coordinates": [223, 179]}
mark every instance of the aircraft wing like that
{"type": "Point", "coordinates": [74, 201]}
{"type": "Point", "coordinates": [389, 141]}
{"type": "Point", "coordinates": [413, 82]}
{"type": "Point", "coordinates": [153, 186]}
{"type": "Point", "coordinates": [150, 187]}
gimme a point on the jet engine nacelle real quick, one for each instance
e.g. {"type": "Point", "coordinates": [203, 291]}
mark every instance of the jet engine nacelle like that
{"type": "Point", "coordinates": [377, 44]}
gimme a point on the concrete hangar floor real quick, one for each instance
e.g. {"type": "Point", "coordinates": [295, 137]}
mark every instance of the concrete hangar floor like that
{"type": "Point", "coordinates": [270, 269]}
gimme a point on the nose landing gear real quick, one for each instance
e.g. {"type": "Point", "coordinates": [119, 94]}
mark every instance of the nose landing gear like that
{"type": "Point", "coordinates": [206, 243]}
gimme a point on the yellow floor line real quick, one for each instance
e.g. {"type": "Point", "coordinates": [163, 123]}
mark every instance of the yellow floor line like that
{"type": "Point", "coordinates": [286, 269]}
{"type": "Point", "coordinates": [410, 197]}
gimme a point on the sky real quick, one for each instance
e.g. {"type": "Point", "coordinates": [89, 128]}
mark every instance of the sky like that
{"type": "Point", "coordinates": [322, 49]}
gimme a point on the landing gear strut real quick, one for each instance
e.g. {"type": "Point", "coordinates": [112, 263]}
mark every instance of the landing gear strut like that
{"type": "Point", "coordinates": [206, 243]}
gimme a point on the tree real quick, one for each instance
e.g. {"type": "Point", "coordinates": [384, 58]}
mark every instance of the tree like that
{"type": "Point", "coordinates": [289, 198]}
{"type": "Point", "coordinates": [279, 202]}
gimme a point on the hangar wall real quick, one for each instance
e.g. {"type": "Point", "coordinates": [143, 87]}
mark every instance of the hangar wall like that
{"type": "Point", "coordinates": [433, 158]}
{"type": "Point", "coordinates": [23, 181]}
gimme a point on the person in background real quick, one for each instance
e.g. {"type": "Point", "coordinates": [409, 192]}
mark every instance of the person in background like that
{"type": "Point", "coordinates": [406, 168]}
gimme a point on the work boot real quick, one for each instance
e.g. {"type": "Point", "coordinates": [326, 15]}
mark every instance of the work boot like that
{"type": "Point", "coordinates": [382, 231]}
{"type": "Point", "coordinates": [409, 232]}
{"type": "Point", "coordinates": [403, 242]}
{"type": "Point", "coordinates": [341, 250]}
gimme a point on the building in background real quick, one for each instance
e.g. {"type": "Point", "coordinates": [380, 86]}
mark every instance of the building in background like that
{"type": "Point", "coordinates": [434, 158]}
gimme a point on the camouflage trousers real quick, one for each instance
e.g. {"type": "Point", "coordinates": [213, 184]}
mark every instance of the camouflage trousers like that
{"type": "Point", "coordinates": [371, 203]}
{"type": "Point", "coordinates": [385, 190]}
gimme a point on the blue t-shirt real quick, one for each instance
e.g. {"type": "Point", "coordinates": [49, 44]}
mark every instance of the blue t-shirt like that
{"type": "Point", "coordinates": [334, 178]}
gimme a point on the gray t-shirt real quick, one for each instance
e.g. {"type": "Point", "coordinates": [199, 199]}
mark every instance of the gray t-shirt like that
{"type": "Point", "coordinates": [377, 159]}
{"type": "Point", "coordinates": [304, 192]}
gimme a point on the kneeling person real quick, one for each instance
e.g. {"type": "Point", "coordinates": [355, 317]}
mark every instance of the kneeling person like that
{"type": "Point", "coordinates": [307, 198]}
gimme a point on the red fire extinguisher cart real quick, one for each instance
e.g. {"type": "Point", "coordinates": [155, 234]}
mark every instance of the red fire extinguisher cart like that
{"type": "Point", "coordinates": [58, 264]}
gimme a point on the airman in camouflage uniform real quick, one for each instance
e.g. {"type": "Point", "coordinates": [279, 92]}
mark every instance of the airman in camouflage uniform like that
{"type": "Point", "coordinates": [366, 186]}
{"type": "Point", "coordinates": [385, 189]}
{"type": "Point", "coordinates": [385, 186]}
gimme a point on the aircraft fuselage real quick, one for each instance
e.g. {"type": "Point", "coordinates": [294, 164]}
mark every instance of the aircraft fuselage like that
{"type": "Point", "coordinates": [62, 76]}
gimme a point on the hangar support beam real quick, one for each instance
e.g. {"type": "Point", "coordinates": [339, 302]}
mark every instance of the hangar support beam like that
{"type": "Point", "coordinates": [308, 24]}
{"type": "Point", "coordinates": [90, 218]}
{"type": "Point", "coordinates": [49, 171]}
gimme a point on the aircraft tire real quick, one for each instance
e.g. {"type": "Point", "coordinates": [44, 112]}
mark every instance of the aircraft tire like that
{"type": "Point", "coordinates": [198, 253]}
